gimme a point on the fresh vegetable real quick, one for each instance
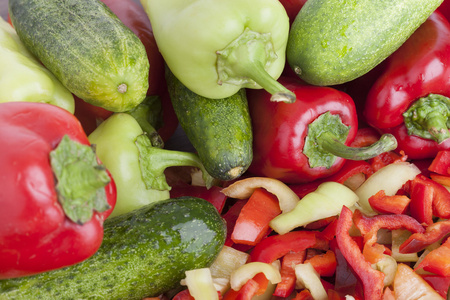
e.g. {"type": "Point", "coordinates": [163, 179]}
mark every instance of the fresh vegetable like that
{"type": "Point", "coordinates": [409, 285]}
{"type": "Point", "coordinates": [292, 8]}
{"type": "Point", "coordinates": [326, 201]}
{"type": "Point", "coordinates": [225, 46]}
{"type": "Point", "coordinates": [54, 192]}
{"type": "Point", "coordinates": [23, 78]}
{"type": "Point", "coordinates": [410, 99]}
{"type": "Point", "coordinates": [97, 57]}
{"type": "Point", "coordinates": [308, 139]}
{"type": "Point", "coordinates": [144, 253]}
{"type": "Point", "coordinates": [136, 163]}
{"type": "Point", "coordinates": [336, 41]}
{"type": "Point", "coordinates": [371, 279]}
{"type": "Point", "coordinates": [219, 129]}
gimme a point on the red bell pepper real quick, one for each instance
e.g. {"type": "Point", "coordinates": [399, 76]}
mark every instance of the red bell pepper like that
{"type": "Point", "coordinates": [252, 224]}
{"type": "Point", "coordinates": [371, 279]}
{"type": "Point", "coordinates": [440, 284]}
{"type": "Point", "coordinates": [303, 295]}
{"type": "Point", "coordinates": [231, 217]}
{"type": "Point", "coordinates": [437, 261]}
{"type": "Point", "coordinates": [444, 8]}
{"type": "Point", "coordinates": [324, 263]}
{"type": "Point", "coordinates": [410, 98]}
{"type": "Point", "coordinates": [419, 241]}
{"type": "Point", "coordinates": [276, 246]}
{"type": "Point", "coordinates": [306, 140]}
{"type": "Point", "coordinates": [54, 193]}
{"type": "Point", "coordinates": [292, 8]}
{"type": "Point", "coordinates": [213, 195]}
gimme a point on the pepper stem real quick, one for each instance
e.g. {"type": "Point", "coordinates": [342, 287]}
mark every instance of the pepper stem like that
{"type": "Point", "coordinates": [245, 62]}
{"type": "Point", "coordinates": [326, 141]}
{"type": "Point", "coordinates": [330, 143]}
{"type": "Point", "coordinates": [429, 118]}
{"type": "Point", "coordinates": [153, 161]}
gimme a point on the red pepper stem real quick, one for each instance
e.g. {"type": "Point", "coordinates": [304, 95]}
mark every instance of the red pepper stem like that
{"type": "Point", "coordinates": [429, 118]}
{"type": "Point", "coordinates": [330, 143]}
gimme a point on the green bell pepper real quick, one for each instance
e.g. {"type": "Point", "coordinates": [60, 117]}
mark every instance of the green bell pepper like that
{"type": "Point", "coordinates": [136, 165]}
{"type": "Point", "coordinates": [217, 47]}
{"type": "Point", "coordinates": [24, 78]}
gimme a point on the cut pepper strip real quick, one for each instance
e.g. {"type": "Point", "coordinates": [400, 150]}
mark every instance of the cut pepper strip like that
{"type": "Point", "coordinates": [419, 241]}
{"type": "Point", "coordinates": [287, 284]}
{"type": "Point", "coordinates": [441, 163]}
{"type": "Point", "coordinates": [371, 279]}
{"type": "Point", "coordinates": [243, 189]}
{"type": "Point", "coordinates": [384, 204]}
{"type": "Point", "coordinates": [437, 261]}
{"type": "Point", "coordinates": [253, 222]}
{"type": "Point", "coordinates": [276, 246]}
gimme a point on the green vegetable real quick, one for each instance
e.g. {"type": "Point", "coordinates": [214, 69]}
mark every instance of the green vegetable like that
{"type": "Point", "coordinates": [22, 76]}
{"type": "Point", "coordinates": [334, 41]}
{"type": "Point", "coordinates": [216, 47]}
{"type": "Point", "coordinates": [87, 48]}
{"type": "Point", "coordinates": [144, 253]}
{"type": "Point", "coordinates": [136, 164]}
{"type": "Point", "coordinates": [219, 129]}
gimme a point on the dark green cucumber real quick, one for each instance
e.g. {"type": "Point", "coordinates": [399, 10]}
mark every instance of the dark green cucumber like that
{"type": "Point", "coordinates": [144, 253]}
{"type": "Point", "coordinates": [85, 45]}
{"type": "Point", "coordinates": [335, 41]}
{"type": "Point", "coordinates": [219, 129]}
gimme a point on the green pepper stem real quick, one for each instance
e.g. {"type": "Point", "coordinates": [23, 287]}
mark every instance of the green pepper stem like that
{"type": "Point", "coordinates": [429, 118]}
{"type": "Point", "coordinates": [330, 143]}
{"type": "Point", "coordinates": [244, 62]}
{"type": "Point", "coordinates": [153, 161]}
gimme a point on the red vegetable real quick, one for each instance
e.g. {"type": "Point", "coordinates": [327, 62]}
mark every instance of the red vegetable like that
{"type": "Point", "coordinates": [213, 195]}
{"type": "Point", "coordinates": [276, 246]}
{"type": "Point", "coordinates": [252, 224]}
{"type": "Point", "coordinates": [288, 279]}
{"type": "Point", "coordinates": [292, 8]}
{"type": "Point", "coordinates": [437, 261]}
{"type": "Point", "coordinates": [410, 98]}
{"type": "Point", "coordinates": [306, 140]}
{"type": "Point", "coordinates": [441, 163]}
{"type": "Point", "coordinates": [371, 279]}
{"type": "Point", "coordinates": [384, 204]}
{"type": "Point", "coordinates": [419, 241]}
{"type": "Point", "coordinates": [54, 194]}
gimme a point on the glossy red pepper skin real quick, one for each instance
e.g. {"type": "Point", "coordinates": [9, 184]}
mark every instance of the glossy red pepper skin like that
{"type": "Point", "coordinates": [419, 67]}
{"type": "Point", "coordinates": [279, 130]}
{"type": "Point", "coordinates": [292, 8]}
{"type": "Point", "coordinates": [35, 234]}
{"type": "Point", "coordinates": [371, 279]}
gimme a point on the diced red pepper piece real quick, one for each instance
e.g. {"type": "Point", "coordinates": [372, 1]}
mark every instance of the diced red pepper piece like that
{"type": "Point", "coordinates": [419, 241]}
{"type": "Point", "coordinates": [303, 295]}
{"type": "Point", "coordinates": [421, 194]}
{"type": "Point", "coordinates": [324, 264]}
{"type": "Point", "coordinates": [230, 218]}
{"type": "Point", "coordinates": [183, 295]}
{"type": "Point", "coordinates": [276, 246]}
{"type": "Point", "coordinates": [252, 223]}
{"type": "Point", "coordinates": [437, 261]}
{"type": "Point", "coordinates": [441, 163]}
{"type": "Point", "coordinates": [385, 159]}
{"type": "Point", "coordinates": [246, 292]}
{"type": "Point", "coordinates": [288, 279]}
{"type": "Point", "coordinates": [384, 204]}
{"type": "Point", "coordinates": [440, 284]}
{"type": "Point", "coordinates": [371, 279]}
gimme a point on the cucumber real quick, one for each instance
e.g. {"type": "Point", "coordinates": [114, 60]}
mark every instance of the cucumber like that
{"type": "Point", "coordinates": [85, 45]}
{"type": "Point", "coordinates": [219, 129]}
{"type": "Point", "coordinates": [144, 253]}
{"type": "Point", "coordinates": [335, 41]}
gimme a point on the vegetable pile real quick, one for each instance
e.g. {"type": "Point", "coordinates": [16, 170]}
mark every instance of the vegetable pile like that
{"type": "Point", "coordinates": [318, 160]}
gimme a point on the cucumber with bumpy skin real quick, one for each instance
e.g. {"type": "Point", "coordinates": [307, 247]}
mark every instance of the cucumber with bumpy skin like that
{"type": "Point", "coordinates": [85, 45]}
{"type": "Point", "coordinates": [335, 41]}
{"type": "Point", "coordinates": [219, 129]}
{"type": "Point", "coordinates": [144, 253]}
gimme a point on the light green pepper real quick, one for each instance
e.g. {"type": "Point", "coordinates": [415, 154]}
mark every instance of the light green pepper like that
{"type": "Point", "coordinates": [217, 47]}
{"type": "Point", "coordinates": [24, 78]}
{"type": "Point", "coordinates": [137, 166]}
